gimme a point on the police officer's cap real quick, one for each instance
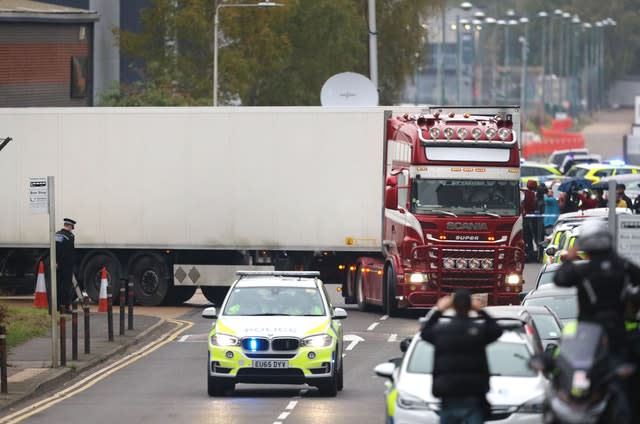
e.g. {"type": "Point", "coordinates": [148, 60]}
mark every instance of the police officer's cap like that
{"type": "Point", "coordinates": [69, 221]}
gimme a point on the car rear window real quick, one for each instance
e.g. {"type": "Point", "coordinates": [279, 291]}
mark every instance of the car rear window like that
{"type": "Point", "coordinates": [566, 307]}
{"type": "Point", "coordinates": [505, 359]}
{"type": "Point", "coordinates": [546, 278]}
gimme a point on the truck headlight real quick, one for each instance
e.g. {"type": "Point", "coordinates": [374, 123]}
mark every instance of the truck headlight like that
{"type": "Point", "coordinates": [417, 278]}
{"type": "Point", "coordinates": [224, 340]}
{"type": "Point", "coordinates": [512, 279]}
{"type": "Point", "coordinates": [319, 340]}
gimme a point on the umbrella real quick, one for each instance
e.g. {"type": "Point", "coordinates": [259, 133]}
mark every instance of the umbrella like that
{"type": "Point", "coordinates": [580, 183]}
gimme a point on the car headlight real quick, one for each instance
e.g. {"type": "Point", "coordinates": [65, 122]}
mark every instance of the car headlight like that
{"type": "Point", "coordinates": [319, 340]}
{"type": "Point", "coordinates": [513, 279]}
{"type": "Point", "coordinates": [224, 340]}
{"type": "Point", "coordinates": [409, 401]}
{"type": "Point", "coordinates": [533, 406]}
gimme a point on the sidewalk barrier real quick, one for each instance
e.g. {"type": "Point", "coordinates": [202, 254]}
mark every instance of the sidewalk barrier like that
{"type": "Point", "coordinates": [122, 302]}
{"type": "Point", "coordinates": [40, 297]}
{"type": "Point", "coordinates": [102, 303]}
{"type": "Point", "coordinates": [3, 360]}
{"type": "Point", "coordinates": [552, 139]}
{"type": "Point", "coordinates": [130, 305]}
{"type": "Point", "coordinates": [561, 124]}
{"type": "Point", "coordinates": [63, 341]}
{"type": "Point", "coordinates": [110, 312]}
{"type": "Point", "coordinates": [74, 332]}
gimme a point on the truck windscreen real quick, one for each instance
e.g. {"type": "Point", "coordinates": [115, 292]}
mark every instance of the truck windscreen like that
{"type": "Point", "coordinates": [465, 197]}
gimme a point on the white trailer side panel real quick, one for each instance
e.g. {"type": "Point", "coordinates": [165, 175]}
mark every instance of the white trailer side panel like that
{"type": "Point", "coordinates": [226, 178]}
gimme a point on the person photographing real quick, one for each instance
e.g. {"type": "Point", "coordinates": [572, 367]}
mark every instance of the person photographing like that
{"type": "Point", "coordinates": [460, 371]}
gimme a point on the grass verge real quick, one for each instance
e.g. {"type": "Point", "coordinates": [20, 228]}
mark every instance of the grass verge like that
{"type": "Point", "coordinates": [23, 323]}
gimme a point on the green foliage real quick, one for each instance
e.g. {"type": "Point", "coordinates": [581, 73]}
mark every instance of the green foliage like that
{"type": "Point", "coordinates": [23, 323]}
{"type": "Point", "coordinates": [267, 56]}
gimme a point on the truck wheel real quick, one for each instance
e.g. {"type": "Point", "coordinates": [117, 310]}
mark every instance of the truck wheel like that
{"type": "Point", "coordinates": [348, 289]}
{"type": "Point", "coordinates": [360, 298]}
{"type": "Point", "coordinates": [179, 295]}
{"type": "Point", "coordinates": [215, 294]}
{"type": "Point", "coordinates": [150, 280]}
{"type": "Point", "coordinates": [92, 276]}
{"type": "Point", "coordinates": [390, 302]}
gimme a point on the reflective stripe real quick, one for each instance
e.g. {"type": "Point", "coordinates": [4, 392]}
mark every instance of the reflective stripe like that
{"type": "Point", "coordinates": [631, 325]}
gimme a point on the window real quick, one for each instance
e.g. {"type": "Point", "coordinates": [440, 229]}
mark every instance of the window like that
{"type": "Point", "coordinates": [79, 73]}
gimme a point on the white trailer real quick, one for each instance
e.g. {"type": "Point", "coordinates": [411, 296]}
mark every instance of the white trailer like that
{"type": "Point", "coordinates": [175, 198]}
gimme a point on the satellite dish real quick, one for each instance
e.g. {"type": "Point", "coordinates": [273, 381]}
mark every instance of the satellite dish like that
{"type": "Point", "coordinates": [349, 89]}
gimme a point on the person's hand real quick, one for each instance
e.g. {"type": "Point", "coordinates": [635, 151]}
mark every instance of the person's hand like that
{"type": "Point", "coordinates": [572, 254]}
{"type": "Point", "coordinates": [444, 303]}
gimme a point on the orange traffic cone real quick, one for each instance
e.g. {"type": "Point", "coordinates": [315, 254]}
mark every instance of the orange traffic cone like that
{"type": "Point", "coordinates": [40, 298]}
{"type": "Point", "coordinates": [102, 304]}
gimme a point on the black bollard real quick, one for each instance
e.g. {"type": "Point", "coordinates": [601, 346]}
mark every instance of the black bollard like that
{"type": "Point", "coordinates": [130, 303]}
{"type": "Point", "coordinates": [110, 312]}
{"type": "Point", "coordinates": [74, 332]}
{"type": "Point", "coordinates": [122, 302]}
{"type": "Point", "coordinates": [63, 341]}
{"type": "Point", "coordinates": [87, 329]}
{"type": "Point", "coordinates": [3, 360]}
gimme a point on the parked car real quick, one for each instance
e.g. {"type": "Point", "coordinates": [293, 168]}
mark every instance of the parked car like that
{"type": "Point", "coordinates": [557, 156]}
{"type": "Point", "coordinates": [275, 327]}
{"type": "Point", "coordinates": [516, 394]}
{"type": "Point", "coordinates": [563, 301]}
{"type": "Point", "coordinates": [594, 172]}
{"type": "Point", "coordinates": [539, 172]}
{"type": "Point", "coordinates": [545, 275]}
{"type": "Point", "coordinates": [544, 321]}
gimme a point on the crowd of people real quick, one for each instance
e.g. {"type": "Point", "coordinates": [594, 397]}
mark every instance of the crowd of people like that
{"type": "Point", "coordinates": [543, 203]}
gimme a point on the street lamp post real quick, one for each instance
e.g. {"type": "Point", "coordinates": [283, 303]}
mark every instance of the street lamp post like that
{"type": "Point", "coordinates": [216, 22]}
{"type": "Point", "coordinates": [477, 67]}
{"type": "Point", "coordinates": [491, 22]}
{"type": "Point", "coordinates": [574, 66]}
{"type": "Point", "coordinates": [543, 53]}
{"type": "Point", "coordinates": [465, 6]}
{"type": "Point", "coordinates": [523, 69]}
{"type": "Point", "coordinates": [507, 63]}
{"type": "Point", "coordinates": [552, 48]}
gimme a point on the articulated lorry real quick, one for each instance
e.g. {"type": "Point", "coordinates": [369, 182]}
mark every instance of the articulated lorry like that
{"type": "Point", "coordinates": [173, 199]}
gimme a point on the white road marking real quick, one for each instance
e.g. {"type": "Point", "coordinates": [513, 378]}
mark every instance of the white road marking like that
{"type": "Point", "coordinates": [292, 404]}
{"type": "Point", "coordinates": [392, 338]}
{"type": "Point", "coordinates": [372, 326]}
{"type": "Point", "coordinates": [354, 339]}
{"type": "Point", "coordinates": [384, 317]}
{"type": "Point", "coordinates": [283, 416]}
{"type": "Point", "coordinates": [183, 338]}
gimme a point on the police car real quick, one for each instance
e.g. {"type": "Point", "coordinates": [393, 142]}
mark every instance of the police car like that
{"type": "Point", "coordinates": [275, 327]}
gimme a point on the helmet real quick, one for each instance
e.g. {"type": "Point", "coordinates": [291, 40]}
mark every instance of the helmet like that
{"type": "Point", "coordinates": [595, 236]}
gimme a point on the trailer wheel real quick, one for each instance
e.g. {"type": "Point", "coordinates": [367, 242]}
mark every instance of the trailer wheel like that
{"type": "Point", "coordinates": [215, 294]}
{"type": "Point", "coordinates": [92, 276]}
{"type": "Point", "coordinates": [150, 280]}
{"type": "Point", "coordinates": [360, 298]}
{"type": "Point", "coordinates": [390, 302]}
{"type": "Point", "coordinates": [177, 295]}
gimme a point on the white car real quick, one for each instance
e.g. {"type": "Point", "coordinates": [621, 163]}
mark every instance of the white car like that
{"type": "Point", "coordinates": [517, 393]}
{"type": "Point", "coordinates": [275, 327]}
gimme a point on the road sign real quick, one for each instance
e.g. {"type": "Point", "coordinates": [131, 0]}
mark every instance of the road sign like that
{"type": "Point", "coordinates": [628, 240]}
{"type": "Point", "coordinates": [38, 195]}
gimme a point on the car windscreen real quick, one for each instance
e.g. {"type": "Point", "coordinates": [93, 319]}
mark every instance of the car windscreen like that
{"type": "Point", "coordinates": [547, 326]}
{"type": "Point", "coordinates": [294, 301]}
{"type": "Point", "coordinates": [505, 359]}
{"type": "Point", "coordinates": [545, 278]}
{"type": "Point", "coordinates": [566, 307]}
{"type": "Point", "coordinates": [465, 197]}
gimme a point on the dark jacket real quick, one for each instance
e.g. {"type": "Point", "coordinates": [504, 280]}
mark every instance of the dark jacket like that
{"type": "Point", "coordinates": [65, 247]}
{"type": "Point", "coordinates": [460, 361]}
{"type": "Point", "coordinates": [600, 283]}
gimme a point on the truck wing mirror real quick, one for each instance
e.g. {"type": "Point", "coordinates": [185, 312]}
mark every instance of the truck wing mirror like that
{"type": "Point", "coordinates": [391, 197]}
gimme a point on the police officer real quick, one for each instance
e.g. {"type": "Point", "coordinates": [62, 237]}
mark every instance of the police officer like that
{"type": "Point", "coordinates": [602, 283]}
{"type": "Point", "coordinates": [65, 248]}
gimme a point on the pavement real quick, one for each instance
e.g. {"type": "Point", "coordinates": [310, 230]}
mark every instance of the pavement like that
{"type": "Point", "coordinates": [29, 365]}
{"type": "Point", "coordinates": [604, 134]}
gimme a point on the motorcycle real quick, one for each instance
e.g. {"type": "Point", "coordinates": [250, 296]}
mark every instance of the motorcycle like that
{"type": "Point", "coordinates": [586, 387]}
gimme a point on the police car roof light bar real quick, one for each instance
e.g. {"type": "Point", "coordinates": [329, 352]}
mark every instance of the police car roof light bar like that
{"type": "Point", "coordinates": [278, 273]}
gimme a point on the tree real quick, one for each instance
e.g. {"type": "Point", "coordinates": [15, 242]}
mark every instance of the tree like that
{"type": "Point", "coordinates": [274, 56]}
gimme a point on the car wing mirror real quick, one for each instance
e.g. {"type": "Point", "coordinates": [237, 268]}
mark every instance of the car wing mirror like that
{"type": "Point", "coordinates": [339, 313]}
{"type": "Point", "coordinates": [551, 250]}
{"type": "Point", "coordinates": [551, 347]}
{"type": "Point", "coordinates": [385, 370]}
{"type": "Point", "coordinates": [210, 313]}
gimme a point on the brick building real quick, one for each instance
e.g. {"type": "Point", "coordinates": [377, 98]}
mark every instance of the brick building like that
{"type": "Point", "coordinates": [46, 54]}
